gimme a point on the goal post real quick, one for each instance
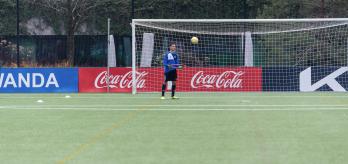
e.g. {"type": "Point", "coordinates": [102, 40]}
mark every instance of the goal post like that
{"type": "Point", "coordinates": [240, 54]}
{"type": "Point", "coordinates": [134, 89]}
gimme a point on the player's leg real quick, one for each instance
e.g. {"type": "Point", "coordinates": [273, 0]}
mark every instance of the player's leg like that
{"type": "Point", "coordinates": [164, 86]}
{"type": "Point", "coordinates": [174, 84]}
{"type": "Point", "coordinates": [173, 89]}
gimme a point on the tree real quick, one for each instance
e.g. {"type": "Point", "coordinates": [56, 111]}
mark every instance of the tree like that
{"type": "Point", "coordinates": [73, 13]}
{"type": "Point", "coordinates": [8, 17]}
{"type": "Point", "coordinates": [304, 9]}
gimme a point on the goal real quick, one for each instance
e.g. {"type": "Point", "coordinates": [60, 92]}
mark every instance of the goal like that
{"type": "Point", "coordinates": [241, 55]}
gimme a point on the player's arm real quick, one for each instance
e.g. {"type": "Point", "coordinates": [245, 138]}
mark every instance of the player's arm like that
{"type": "Point", "coordinates": [178, 64]}
{"type": "Point", "coordinates": [165, 61]}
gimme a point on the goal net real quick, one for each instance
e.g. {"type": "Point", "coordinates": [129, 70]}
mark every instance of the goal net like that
{"type": "Point", "coordinates": [242, 55]}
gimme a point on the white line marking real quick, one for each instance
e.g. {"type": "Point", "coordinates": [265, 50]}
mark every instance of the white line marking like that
{"type": "Point", "coordinates": [174, 105]}
{"type": "Point", "coordinates": [174, 109]}
{"type": "Point", "coordinates": [188, 97]}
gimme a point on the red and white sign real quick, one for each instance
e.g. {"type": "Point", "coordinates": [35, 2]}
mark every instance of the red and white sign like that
{"type": "Point", "coordinates": [221, 79]}
{"type": "Point", "coordinates": [189, 79]}
{"type": "Point", "coordinates": [120, 80]}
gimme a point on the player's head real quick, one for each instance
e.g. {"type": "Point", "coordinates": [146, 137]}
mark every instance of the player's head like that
{"type": "Point", "coordinates": [172, 46]}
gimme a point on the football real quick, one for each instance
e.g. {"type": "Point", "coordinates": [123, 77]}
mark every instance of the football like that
{"type": "Point", "coordinates": [194, 40]}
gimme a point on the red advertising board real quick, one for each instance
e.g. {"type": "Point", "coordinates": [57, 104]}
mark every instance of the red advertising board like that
{"type": "Point", "coordinates": [235, 79]}
{"type": "Point", "coordinates": [190, 79]}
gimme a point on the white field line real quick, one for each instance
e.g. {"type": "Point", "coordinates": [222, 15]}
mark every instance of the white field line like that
{"type": "Point", "coordinates": [174, 105]}
{"type": "Point", "coordinates": [173, 109]}
{"type": "Point", "coordinates": [157, 97]}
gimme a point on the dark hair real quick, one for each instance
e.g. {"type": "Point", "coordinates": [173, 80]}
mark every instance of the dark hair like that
{"type": "Point", "coordinates": [172, 43]}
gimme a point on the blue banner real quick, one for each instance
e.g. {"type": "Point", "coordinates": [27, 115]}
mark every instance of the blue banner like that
{"type": "Point", "coordinates": [38, 80]}
{"type": "Point", "coordinates": [280, 78]}
{"type": "Point", "coordinates": [305, 79]}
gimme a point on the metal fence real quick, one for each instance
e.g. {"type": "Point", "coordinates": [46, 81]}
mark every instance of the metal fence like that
{"type": "Point", "coordinates": [51, 51]}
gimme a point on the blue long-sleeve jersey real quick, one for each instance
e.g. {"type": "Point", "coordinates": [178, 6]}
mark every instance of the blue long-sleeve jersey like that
{"type": "Point", "coordinates": [170, 58]}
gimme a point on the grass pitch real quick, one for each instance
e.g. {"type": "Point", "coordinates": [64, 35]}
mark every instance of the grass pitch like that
{"type": "Point", "coordinates": [204, 128]}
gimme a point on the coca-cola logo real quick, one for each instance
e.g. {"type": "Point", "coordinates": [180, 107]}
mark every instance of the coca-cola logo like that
{"type": "Point", "coordinates": [119, 81]}
{"type": "Point", "coordinates": [227, 79]}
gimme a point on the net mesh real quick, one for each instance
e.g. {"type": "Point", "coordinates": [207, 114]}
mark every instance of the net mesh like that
{"type": "Point", "coordinates": [237, 47]}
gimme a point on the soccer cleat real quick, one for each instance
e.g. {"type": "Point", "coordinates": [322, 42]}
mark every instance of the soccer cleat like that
{"type": "Point", "coordinates": [163, 98]}
{"type": "Point", "coordinates": [174, 97]}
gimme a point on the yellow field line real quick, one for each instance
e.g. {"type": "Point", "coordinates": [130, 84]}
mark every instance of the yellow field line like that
{"type": "Point", "coordinates": [99, 136]}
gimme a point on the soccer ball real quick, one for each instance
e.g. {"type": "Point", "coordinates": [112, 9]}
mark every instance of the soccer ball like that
{"type": "Point", "coordinates": [194, 40]}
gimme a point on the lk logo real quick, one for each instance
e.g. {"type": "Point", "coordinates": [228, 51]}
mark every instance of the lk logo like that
{"type": "Point", "coordinates": [330, 80]}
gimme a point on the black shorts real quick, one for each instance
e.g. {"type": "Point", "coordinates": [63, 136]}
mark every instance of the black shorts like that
{"type": "Point", "coordinates": [171, 75]}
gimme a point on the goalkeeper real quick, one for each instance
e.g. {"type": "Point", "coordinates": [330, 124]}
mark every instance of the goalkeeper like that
{"type": "Point", "coordinates": [171, 63]}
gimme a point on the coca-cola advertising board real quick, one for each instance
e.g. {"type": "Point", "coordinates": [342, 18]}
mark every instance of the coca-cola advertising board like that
{"type": "Point", "coordinates": [235, 79]}
{"type": "Point", "coordinates": [190, 79]}
{"type": "Point", "coordinates": [120, 79]}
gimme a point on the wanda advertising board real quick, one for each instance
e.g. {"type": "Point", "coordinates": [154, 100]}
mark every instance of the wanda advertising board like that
{"type": "Point", "coordinates": [191, 79]}
{"type": "Point", "coordinates": [38, 80]}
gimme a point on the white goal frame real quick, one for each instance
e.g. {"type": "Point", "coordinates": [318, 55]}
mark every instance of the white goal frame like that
{"type": "Point", "coordinates": [134, 22]}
